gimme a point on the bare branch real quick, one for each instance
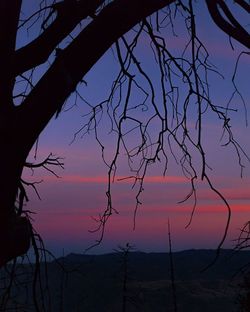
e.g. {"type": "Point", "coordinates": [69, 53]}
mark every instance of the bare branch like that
{"type": "Point", "coordinates": [243, 4]}
{"type": "Point", "coordinates": [49, 161]}
{"type": "Point", "coordinates": [234, 30]}
{"type": "Point", "coordinates": [69, 14]}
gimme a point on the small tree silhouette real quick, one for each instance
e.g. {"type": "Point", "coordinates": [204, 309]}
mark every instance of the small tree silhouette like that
{"type": "Point", "coordinates": [131, 295]}
{"type": "Point", "coordinates": [124, 254]}
{"type": "Point", "coordinates": [172, 272]}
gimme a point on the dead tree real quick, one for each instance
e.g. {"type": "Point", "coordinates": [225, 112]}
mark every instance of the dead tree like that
{"type": "Point", "coordinates": [101, 24]}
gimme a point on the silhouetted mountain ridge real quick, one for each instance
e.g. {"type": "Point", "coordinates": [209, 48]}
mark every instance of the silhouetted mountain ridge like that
{"type": "Point", "coordinates": [95, 283]}
{"type": "Point", "coordinates": [188, 264]}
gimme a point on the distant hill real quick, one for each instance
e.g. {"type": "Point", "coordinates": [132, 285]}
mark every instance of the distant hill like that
{"type": "Point", "coordinates": [95, 283]}
{"type": "Point", "coordinates": [188, 264]}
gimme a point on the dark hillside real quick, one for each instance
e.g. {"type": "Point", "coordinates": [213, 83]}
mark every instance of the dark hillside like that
{"type": "Point", "coordinates": [95, 283]}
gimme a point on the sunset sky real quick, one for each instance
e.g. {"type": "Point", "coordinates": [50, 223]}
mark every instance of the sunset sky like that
{"type": "Point", "coordinates": [64, 215]}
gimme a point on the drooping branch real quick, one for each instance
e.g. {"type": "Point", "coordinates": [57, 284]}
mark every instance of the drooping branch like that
{"type": "Point", "coordinates": [194, 72]}
{"type": "Point", "coordinates": [69, 15]}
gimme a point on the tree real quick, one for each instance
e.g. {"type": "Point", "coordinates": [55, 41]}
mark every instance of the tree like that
{"type": "Point", "coordinates": [94, 26]}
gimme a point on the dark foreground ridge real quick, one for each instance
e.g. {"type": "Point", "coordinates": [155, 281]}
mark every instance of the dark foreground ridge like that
{"type": "Point", "coordinates": [96, 282]}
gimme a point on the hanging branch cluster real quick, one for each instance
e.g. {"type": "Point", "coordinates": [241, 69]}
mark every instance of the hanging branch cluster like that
{"type": "Point", "coordinates": [67, 39]}
{"type": "Point", "coordinates": [160, 114]}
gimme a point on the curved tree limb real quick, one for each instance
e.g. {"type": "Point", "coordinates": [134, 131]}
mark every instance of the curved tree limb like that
{"type": "Point", "coordinates": [68, 17]}
{"type": "Point", "coordinates": [234, 30]}
{"type": "Point", "coordinates": [243, 4]}
{"type": "Point", "coordinates": [77, 59]}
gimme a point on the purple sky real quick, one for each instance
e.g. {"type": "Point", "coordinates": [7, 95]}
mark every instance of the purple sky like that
{"type": "Point", "coordinates": [63, 216]}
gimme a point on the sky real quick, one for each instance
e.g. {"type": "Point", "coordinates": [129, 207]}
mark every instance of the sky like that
{"type": "Point", "coordinates": [64, 216]}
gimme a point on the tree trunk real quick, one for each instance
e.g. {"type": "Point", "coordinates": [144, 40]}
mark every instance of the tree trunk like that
{"type": "Point", "coordinates": [15, 231]}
